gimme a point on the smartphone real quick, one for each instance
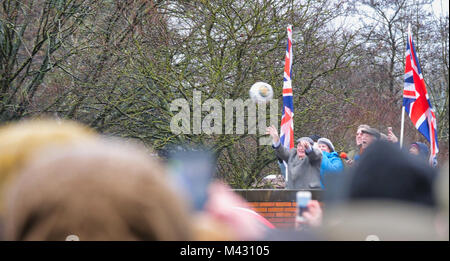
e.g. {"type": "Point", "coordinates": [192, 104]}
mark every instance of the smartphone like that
{"type": "Point", "coordinates": [302, 198]}
{"type": "Point", "coordinates": [192, 172]}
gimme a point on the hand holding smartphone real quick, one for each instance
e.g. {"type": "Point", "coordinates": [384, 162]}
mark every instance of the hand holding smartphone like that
{"type": "Point", "coordinates": [391, 135]}
{"type": "Point", "coordinates": [302, 198]}
{"type": "Point", "coordinates": [309, 212]}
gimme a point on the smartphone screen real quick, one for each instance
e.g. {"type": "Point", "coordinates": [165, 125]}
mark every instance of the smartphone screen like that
{"type": "Point", "coordinates": [303, 198]}
{"type": "Point", "coordinates": [192, 171]}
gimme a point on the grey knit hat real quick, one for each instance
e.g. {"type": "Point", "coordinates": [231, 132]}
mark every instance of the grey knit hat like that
{"type": "Point", "coordinates": [308, 139]}
{"type": "Point", "coordinates": [326, 142]}
{"type": "Point", "coordinates": [372, 131]}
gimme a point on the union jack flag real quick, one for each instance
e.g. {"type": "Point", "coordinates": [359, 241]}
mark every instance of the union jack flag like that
{"type": "Point", "coordinates": [416, 101]}
{"type": "Point", "coordinates": [287, 118]}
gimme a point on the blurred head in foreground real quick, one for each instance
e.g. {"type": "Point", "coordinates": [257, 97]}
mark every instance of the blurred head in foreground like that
{"type": "Point", "coordinates": [19, 141]}
{"type": "Point", "coordinates": [96, 191]}
{"type": "Point", "coordinates": [386, 172]}
{"type": "Point", "coordinates": [442, 196]}
{"type": "Point", "coordinates": [389, 195]}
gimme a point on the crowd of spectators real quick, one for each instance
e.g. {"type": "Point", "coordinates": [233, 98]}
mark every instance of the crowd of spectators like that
{"type": "Point", "coordinates": [60, 179]}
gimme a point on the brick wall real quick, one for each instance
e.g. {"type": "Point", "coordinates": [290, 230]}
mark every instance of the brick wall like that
{"type": "Point", "coordinates": [276, 205]}
{"type": "Point", "coordinates": [280, 214]}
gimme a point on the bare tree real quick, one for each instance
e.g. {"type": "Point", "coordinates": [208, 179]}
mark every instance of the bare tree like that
{"type": "Point", "coordinates": [34, 36]}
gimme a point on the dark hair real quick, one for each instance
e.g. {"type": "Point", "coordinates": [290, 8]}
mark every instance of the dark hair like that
{"type": "Point", "coordinates": [315, 137]}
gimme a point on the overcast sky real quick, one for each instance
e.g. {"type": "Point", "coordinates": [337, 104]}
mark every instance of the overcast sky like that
{"type": "Point", "coordinates": [440, 6]}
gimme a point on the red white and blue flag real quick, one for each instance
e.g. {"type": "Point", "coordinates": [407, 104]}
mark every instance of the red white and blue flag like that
{"type": "Point", "coordinates": [416, 101]}
{"type": "Point", "coordinates": [287, 118]}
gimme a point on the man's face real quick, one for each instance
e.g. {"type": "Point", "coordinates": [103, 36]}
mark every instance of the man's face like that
{"type": "Point", "coordinates": [358, 137]}
{"type": "Point", "coordinates": [300, 151]}
{"type": "Point", "coordinates": [324, 147]}
{"type": "Point", "coordinates": [366, 139]}
{"type": "Point", "coordinates": [414, 150]}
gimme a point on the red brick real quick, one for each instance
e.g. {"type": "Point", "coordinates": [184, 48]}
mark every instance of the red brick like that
{"type": "Point", "coordinates": [271, 220]}
{"type": "Point", "coordinates": [289, 209]}
{"type": "Point", "coordinates": [285, 214]}
{"type": "Point", "coordinates": [275, 220]}
{"type": "Point", "coordinates": [267, 204]}
{"type": "Point", "coordinates": [267, 214]}
{"type": "Point", "coordinates": [259, 210]}
{"type": "Point", "coordinates": [281, 219]}
{"type": "Point", "coordinates": [274, 209]}
{"type": "Point", "coordinates": [283, 204]}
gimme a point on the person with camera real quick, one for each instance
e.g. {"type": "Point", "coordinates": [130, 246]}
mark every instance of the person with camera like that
{"type": "Point", "coordinates": [303, 162]}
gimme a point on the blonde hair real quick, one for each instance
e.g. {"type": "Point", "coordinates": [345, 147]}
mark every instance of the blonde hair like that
{"type": "Point", "coordinates": [19, 141]}
{"type": "Point", "coordinates": [104, 190]}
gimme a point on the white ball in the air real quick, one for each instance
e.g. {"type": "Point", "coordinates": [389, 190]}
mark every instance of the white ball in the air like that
{"type": "Point", "coordinates": [261, 92]}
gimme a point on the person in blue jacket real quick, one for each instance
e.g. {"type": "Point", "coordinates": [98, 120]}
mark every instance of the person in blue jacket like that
{"type": "Point", "coordinates": [331, 162]}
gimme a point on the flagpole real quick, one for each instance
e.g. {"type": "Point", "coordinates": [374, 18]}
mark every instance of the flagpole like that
{"type": "Point", "coordinates": [402, 126]}
{"type": "Point", "coordinates": [403, 107]}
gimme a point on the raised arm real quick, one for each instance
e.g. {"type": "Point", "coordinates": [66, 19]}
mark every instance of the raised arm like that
{"type": "Point", "coordinates": [314, 155]}
{"type": "Point", "coordinates": [281, 151]}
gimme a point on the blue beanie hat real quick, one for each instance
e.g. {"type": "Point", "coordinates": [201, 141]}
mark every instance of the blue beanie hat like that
{"type": "Point", "coordinates": [423, 149]}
